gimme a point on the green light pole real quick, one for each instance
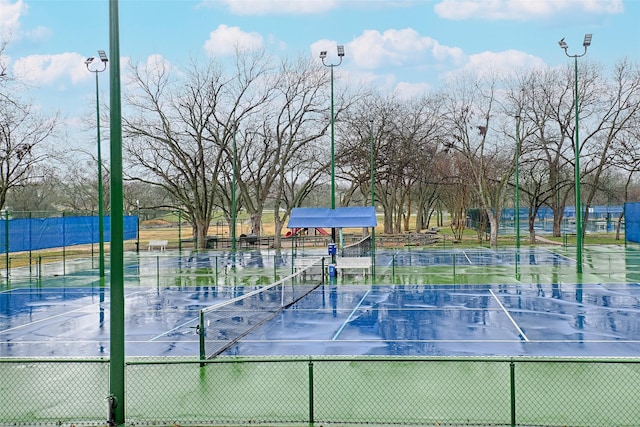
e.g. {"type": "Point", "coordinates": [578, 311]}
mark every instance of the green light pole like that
{"type": "Point", "coordinates": [579, 229]}
{"type": "Point", "coordinates": [88, 62]}
{"type": "Point", "coordinates": [373, 197]}
{"type": "Point", "coordinates": [517, 209]}
{"type": "Point", "coordinates": [116, 399]}
{"type": "Point", "coordinates": [323, 56]}
{"type": "Point", "coordinates": [233, 191]}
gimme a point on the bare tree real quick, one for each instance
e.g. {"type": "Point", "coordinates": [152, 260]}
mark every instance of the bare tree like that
{"type": "Point", "coordinates": [41, 194]}
{"type": "Point", "coordinates": [24, 132]}
{"type": "Point", "coordinates": [274, 151]}
{"type": "Point", "coordinates": [476, 132]}
{"type": "Point", "coordinates": [616, 107]}
{"type": "Point", "coordinates": [406, 135]}
{"type": "Point", "coordinates": [180, 132]}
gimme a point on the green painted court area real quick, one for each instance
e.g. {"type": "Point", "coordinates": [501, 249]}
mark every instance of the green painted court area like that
{"type": "Point", "coordinates": [346, 387]}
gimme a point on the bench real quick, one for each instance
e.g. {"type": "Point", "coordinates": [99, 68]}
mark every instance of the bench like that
{"type": "Point", "coordinates": [303, 264]}
{"type": "Point", "coordinates": [160, 244]}
{"type": "Point", "coordinates": [300, 263]}
{"type": "Point", "coordinates": [348, 263]}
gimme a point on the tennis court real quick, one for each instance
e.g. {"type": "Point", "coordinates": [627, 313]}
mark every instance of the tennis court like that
{"type": "Point", "coordinates": [427, 303]}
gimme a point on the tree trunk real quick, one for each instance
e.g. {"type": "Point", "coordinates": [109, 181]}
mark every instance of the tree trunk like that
{"type": "Point", "coordinates": [532, 230]}
{"type": "Point", "coordinates": [200, 232]}
{"type": "Point", "coordinates": [494, 221]}
{"type": "Point", "coordinates": [278, 224]}
{"type": "Point", "coordinates": [256, 223]}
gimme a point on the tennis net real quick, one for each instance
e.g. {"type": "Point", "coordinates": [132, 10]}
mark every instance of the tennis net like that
{"type": "Point", "coordinates": [222, 325]}
{"type": "Point", "coordinates": [360, 248]}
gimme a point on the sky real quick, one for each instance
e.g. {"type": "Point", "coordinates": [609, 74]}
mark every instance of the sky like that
{"type": "Point", "coordinates": [403, 46]}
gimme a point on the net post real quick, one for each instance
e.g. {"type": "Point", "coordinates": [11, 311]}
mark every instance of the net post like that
{"type": "Point", "coordinates": [201, 335]}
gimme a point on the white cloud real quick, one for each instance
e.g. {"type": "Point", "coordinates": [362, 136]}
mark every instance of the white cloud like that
{"type": "Point", "coordinates": [499, 63]}
{"type": "Point", "coordinates": [387, 83]}
{"type": "Point", "coordinates": [10, 14]}
{"type": "Point", "coordinates": [274, 7]}
{"type": "Point", "coordinates": [406, 90]}
{"type": "Point", "coordinates": [522, 9]}
{"type": "Point", "coordinates": [38, 34]}
{"type": "Point", "coordinates": [399, 48]}
{"type": "Point", "coordinates": [225, 40]}
{"type": "Point", "coordinates": [154, 67]}
{"type": "Point", "coordinates": [47, 69]}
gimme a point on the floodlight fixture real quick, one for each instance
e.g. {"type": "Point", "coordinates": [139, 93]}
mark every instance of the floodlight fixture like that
{"type": "Point", "coordinates": [96, 71]}
{"type": "Point", "coordinates": [323, 56]}
{"type": "Point", "coordinates": [578, 202]}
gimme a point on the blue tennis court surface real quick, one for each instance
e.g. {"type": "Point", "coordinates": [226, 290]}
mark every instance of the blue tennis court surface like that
{"type": "Point", "coordinates": [364, 319]}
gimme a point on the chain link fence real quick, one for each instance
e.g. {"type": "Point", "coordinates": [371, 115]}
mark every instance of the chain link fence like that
{"type": "Point", "coordinates": [53, 391]}
{"type": "Point", "coordinates": [334, 390]}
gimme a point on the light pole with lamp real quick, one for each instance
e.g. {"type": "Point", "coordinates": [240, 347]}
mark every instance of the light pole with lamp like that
{"type": "Point", "coordinates": [579, 229]}
{"type": "Point", "coordinates": [323, 56]}
{"type": "Point", "coordinates": [234, 124]}
{"type": "Point", "coordinates": [517, 207]}
{"type": "Point", "coordinates": [88, 62]}
{"type": "Point", "coordinates": [373, 197]}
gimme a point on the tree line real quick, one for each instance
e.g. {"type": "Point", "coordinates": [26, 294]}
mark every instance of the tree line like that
{"type": "Point", "coordinates": [263, 123]}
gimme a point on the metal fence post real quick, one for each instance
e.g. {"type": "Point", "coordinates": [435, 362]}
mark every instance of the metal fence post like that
{"type": "Point", "coordinates": [393, 269]}
{"type": "Point", "coordinates": [30, 244]}
{"type": "Point", "coordinates": [64, 247]}
{"type": "Point", "coordinates": [512, 377]}
{"type": "Point", "coordinates": [311, 415]}
{"type": "Point", "coordinates": [454, 268]}
{"type": "Point", "coordinates": [6, 241]}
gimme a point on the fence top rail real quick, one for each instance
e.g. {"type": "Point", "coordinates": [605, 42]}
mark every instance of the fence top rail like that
{"type": "Point", "coordinates": [61, 360]}
{"type": "Point", "coordinates": [382, 359]}
{"type": "Point", "coordinates": [144, 360]}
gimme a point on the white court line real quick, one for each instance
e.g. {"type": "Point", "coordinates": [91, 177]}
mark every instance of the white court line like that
{"type": "Point", "coordinates": [559, 255]}
{"type": "Point", "coordinates": [174, 329]}
{"type": "Point", "coordinates": [46, 319]}
{"type": "Point", "coordinates": [509, 316]}
{"type": "Point", "coordinates": [350, 315]}
{"type": "Point", "coordinates": [12, 290]}
{"type": "Point", "coordinates": [467, 257]}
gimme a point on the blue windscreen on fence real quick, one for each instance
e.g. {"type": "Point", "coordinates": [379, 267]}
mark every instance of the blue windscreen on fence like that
{"type": "Point", "coordinates": [43, 233]}
{"type": "Point", "coordinates": [632, 222]}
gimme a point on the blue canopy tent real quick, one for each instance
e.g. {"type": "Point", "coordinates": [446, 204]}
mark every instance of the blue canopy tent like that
{"type": "Point", "coordinates": [346, 217]}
